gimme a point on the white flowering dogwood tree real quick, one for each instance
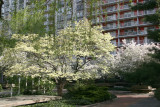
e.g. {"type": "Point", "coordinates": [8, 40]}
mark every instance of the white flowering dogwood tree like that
{"type": "Point", "coordinates": [78, 52]}
{"type": "Point", "coordinates": [130, 56]}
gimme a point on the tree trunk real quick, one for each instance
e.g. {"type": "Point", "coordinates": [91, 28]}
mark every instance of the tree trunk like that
{"type": "Point", "coordinates": [60, 87]}
{"type": "Point", "coordinates": [1, 4]}
{"type": "Point", "coordinates": [19, 85]}
{"type": "Point", "coordinates": [1, 77]}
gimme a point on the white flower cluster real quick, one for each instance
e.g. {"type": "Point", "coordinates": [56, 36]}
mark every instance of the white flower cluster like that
{"type": "Point", "coordinates": [62, 56]}
{"type": "Point", "coordinates": [131, 55]}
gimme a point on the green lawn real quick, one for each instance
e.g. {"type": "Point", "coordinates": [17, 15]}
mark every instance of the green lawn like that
{"type": "Point", "coordinates": [58, 103]}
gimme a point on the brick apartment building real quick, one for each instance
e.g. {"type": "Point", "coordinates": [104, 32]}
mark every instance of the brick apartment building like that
{"type": "Point", "coordinates": [115, 16]}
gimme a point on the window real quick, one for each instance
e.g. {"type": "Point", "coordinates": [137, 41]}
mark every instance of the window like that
{"type": "Point", "coordinates": [69, 16]}
{"type": "Point", "coordinates": [128, 40]}
{"type": "Point", "coordinates": [113, 34]}
{"type": "Point", "coordinates": [112, 25]}
{"type": "Point", "coordinates": [112, 17]}
{"type": "Point", "coordinates": [80, 7]}
{"type": "Point", "coordinates": [110, 9]}
{"type": "Point", "coordinates": [129, 23]}
{"type": "Point", "coordinates": [60, 18]}
{"type": "Point", "coordinates": [128, 14]}
{"type": "Point", "coordinates": [80, 14]}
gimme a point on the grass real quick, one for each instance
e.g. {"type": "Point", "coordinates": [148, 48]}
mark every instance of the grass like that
{"type": "Point", "coordinates": [58, 103]}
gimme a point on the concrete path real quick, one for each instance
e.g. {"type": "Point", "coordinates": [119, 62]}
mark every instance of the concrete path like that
{"type": "Point", "coordinates": [24, 100]}
{"type": "Point", "coordinates": [148, 102]}
{"type": "Point", "coordinates": [130, 100]}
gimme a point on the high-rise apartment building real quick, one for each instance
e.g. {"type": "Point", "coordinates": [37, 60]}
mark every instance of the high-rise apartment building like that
{"type": "Point", "coordinates": [11, 5]}
{"type": "Point", "coordinates": [115, 16]}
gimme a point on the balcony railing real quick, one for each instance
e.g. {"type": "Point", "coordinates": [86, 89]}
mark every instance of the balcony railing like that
{"type": "Point", "coordinates": [127, 16]}
{"type": "Point", "coordinates": [125, 34]}
{"type": "Point", "coordinates": [111, 19]}
{"type": "Point", "coordinates": [124, 7]}
{"type": "Point", "coordinates": [109, 2]}
{"type": "Point", "coordinates": [113, 34]}
{"type": "Point", "coordinates": [113, 10]}
{"type": "Point", "coordinates": [94, 12]}
{"type": "Point", "coordinates": [128, 25]}
{"type": "Point", "coordinates": [94, 21]}
{"type": "Point", "coordinates": [142, 32]}
{"type": "Point", "coordinates": [128, 41]}
{"type": "Point", "coordinates": [46, 23]}
{"type": "Point", "coordinates": [145, 23]}
{"type": "Point", "coordinates": [124, 0]}
{"type": "Point", "coordinates": [141, 13]}
{"type": "Point", "coordinates": [109, 28]}
{"type": "Point", "coordinates": [93, 5]}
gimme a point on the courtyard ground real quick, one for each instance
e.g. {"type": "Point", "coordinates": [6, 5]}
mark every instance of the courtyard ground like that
{"type": "Point", "coordinates": [124, 99]}
{"type": "Point", "coordinates": [130, 100]}
{"type": "Point", "coordinates": [24, 100]}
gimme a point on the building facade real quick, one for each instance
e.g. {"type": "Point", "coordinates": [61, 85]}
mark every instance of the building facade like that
{"type": "Point", "coordinates": [121, 22]}
{"type": "Point", "coordinates": [11, 5]}
{"type": "Point", "coordinates": [115, 16]}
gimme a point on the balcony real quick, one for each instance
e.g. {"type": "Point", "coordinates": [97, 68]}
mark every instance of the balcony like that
{"type": "Point", "coordinates": [124, 0]}
{"type": "Point", "coordinates": [111, 19]}
{"type": "Point", "coordinates": [114, 35]}
{"type": "Point", "coordinates": [124, 16]}
{"type": "Point", "coordinates": [142, 32]}
{"type": "Point", "coordinates": [126, 34]}
{"type": "Point", "coordinates": [94, 13]}
{"type": "Point", "coordinates": [111, 11]}
{"type": "Point", "coordinates": [94, 21]}
{"type": "Point", "coordinates": [119, 44]}
{"type": "Point", "coordinates": [93, 5]}
{"type": "Point", "coordinates": [69, 16]}
{"type": "Point", "coordinates": [46, 23]}
{"type": "Point", "coordinates": [106, 2]}
{"type": "Point", "coordinates": [144, 23]}
{"type": "Point", "coordinates": [148, 12]}
{"type": "Point", "coordinates": [109, 27]}
{"type": "Point", "coordinates": [132, 24]}
{"type": "Point", "coordinates": [125, 7]}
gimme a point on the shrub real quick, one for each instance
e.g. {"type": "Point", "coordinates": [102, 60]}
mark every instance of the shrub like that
{"type": "Point", "coordinates": [78, 102]}
{"type": "Point", "coordinates": [140, 89]}
{"type": "Point", "coordinates": [90, 93]}
{"type": "Point", "coordinates": [147, 73]}
{"type": "Point", "coordinates": [157, 94]}
{"type": "Point", "coordinates": [57, 103]}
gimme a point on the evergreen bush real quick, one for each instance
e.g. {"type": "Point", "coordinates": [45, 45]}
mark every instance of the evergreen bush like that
{"type": "Point", "coordinates": [90, 93]}
{"type": "Point", "coordinates": [157, 94]}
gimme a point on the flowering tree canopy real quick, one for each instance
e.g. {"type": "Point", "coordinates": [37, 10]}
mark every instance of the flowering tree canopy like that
{"type": "Point", "coordinates": [131, 55]}
{"type": "Point", "coordinates": [78, 52]}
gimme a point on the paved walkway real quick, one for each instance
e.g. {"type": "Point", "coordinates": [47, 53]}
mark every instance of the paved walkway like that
{"type": "Point", "coordinates": [130, 100]}
{"type": "Point", "coordinates": [148, 102]}
{"type": "Point", "coordinates": [124, 99]}
{"type": "Point", "coordinates": [24, 100]}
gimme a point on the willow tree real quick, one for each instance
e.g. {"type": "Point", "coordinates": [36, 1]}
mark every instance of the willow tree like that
{"type": "Point", "coordinates": [78, 52]}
